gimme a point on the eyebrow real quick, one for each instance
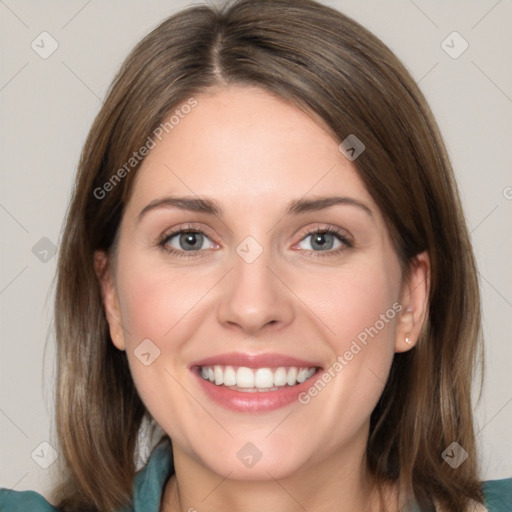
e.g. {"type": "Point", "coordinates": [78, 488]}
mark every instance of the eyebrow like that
{"type": "Point", "coordinates": [212, 207]}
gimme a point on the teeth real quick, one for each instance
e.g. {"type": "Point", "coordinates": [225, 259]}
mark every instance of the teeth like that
{"type": "Point", "coordinates": [219, 375]}
{"type": "Point", "coordinates": [264, 378]}
{"type": "Point", "coordinates": [291, 377]}
{"type": "Point", "coordinates": [302, 375]}
{"type": "Point", "coordinates": [229, 376]}
{"type": "Point", "coordinates": [244, 377]}
{"type": "Point", "coordinates": [280, 377]}
{"type": "Point", "coordinates": [249, 379]}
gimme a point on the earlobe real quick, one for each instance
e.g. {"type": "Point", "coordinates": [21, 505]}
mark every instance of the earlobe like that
{"type": "Point", "coordinates": [414, 300]}
{"type": "Point", "coordinates": [110, 301]}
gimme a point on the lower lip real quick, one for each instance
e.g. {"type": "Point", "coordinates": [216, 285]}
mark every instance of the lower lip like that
{"type": "Point", "coordinates": [258, 401]}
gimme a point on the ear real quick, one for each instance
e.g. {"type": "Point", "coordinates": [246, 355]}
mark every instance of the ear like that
{"type": "Point", "coordinates": [110, 300]}
{"type": "Point", "coordinates": [414, 301]}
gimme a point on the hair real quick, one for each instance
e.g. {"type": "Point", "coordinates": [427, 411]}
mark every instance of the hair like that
{"type": "Point", "coordinates": [331, 67]}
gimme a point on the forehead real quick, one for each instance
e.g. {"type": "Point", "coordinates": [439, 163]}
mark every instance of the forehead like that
{"type": "Point", "coordinates": [248, 147]}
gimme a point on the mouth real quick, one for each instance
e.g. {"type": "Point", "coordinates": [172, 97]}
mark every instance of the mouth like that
{"type": "Point", "coordinates": [245, 383]}
{"type": "Point", "coordinates": [253, 380]}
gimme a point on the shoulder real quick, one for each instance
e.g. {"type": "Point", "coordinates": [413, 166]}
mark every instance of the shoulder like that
{"type": "Point", "coordinates": [498, 498]}
{"type": "Point", "coordinates": [498, 495]}
{"type": "Point", "coordinates": [148, 487]}
{"type": "Point", "coordinates": [21, 501]}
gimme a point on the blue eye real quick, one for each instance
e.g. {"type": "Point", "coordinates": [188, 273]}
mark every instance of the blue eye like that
{"type": "Point", "coordinates": [184, 241]}
{"type": "Point", "coordinates": [326, 240]}
{"type": "Point", "coordinates": [188, 242]}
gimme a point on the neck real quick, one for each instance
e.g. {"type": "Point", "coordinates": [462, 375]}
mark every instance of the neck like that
{"type": "Point", "coordinates": [336, 484]}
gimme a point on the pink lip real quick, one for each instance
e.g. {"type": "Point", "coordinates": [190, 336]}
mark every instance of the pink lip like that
{"type": "Point", "coordinates": [255, 361]}
{"type": "Point", "coordinates": [258, 401]}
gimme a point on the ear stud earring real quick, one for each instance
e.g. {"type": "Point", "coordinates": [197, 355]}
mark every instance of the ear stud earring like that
{"type": "Point", "coordinates": [407, 340]}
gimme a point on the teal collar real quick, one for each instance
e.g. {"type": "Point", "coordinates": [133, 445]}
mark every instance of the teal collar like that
{"type": "Point", "coordinates": [150, 481]}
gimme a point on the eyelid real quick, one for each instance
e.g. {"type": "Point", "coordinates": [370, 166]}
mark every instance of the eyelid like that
{"type": "Point", "coordinates": [343, 236]}
{"type": "Point", "coordinates": [320, 227]}
{"type": "Point", "coordinates": [187, 227]}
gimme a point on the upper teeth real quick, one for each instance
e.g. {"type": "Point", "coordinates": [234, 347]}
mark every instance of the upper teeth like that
{"type": "Point", "coordinates": [262, 378]}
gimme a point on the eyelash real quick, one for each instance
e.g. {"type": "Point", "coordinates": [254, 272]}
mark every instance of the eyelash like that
{"type": "Point", "coordinates": [190, 229]}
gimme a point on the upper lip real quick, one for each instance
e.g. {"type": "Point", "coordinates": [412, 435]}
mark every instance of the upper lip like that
{"type": "Point", "coordinates": [255, 361]}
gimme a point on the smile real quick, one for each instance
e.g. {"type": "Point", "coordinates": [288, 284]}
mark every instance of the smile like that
{"type": "Point", "coordinates": [254, 380]}
{"type": "Point", "coordinates": [251, 383]}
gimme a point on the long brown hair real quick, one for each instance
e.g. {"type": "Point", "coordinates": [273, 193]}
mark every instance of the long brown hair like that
{"type": "Point", "coordinates": [330, 66]}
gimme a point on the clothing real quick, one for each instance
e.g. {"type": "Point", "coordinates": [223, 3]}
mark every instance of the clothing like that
{"type": "Point", "coordinates": [150, 482]}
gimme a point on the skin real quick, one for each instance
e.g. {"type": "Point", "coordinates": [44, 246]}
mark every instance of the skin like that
{"type": "Point", "coordinates": [254, 153]}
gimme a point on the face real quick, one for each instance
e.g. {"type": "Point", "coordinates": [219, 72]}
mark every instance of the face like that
{"type": "Point", "coordinates": [232, 267]}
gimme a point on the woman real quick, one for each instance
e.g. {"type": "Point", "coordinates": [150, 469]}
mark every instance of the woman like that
{"type": "Point", "coordinates": [266, 261]}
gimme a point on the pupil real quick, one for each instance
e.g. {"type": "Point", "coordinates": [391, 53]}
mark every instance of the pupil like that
{"type": "Point", "coordinates": [319, 239]}
{"type": "Point", "coordinates": [190, 239]}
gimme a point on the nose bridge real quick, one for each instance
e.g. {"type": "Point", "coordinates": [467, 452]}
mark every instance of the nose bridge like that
{"type": "Point", "coordinates": [253, 297]}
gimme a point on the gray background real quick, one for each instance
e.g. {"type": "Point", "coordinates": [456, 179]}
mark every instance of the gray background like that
{"type": "Point", "coordinates": [47, 106]}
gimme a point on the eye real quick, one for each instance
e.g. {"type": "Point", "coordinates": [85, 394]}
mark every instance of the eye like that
{"type": "Point", "coordinates": [189, 240]}
{"type": "Point", "coordinates": [328, 240]}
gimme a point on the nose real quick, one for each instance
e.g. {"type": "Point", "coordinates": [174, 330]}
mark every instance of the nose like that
{"type": "Point", "coordinates": [255, 297]}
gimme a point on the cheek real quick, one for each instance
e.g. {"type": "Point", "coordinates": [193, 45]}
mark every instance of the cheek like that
{"type": "Point", "coordinates": [360, 307]}
{"type": "Point", "coordinates": [154, 300]}
{"type": "Point", "coordinates": [365, 313]}
{"type": "Point", "coordinates": [358, 303]}
{"type": "Point", "coordinates": [154, 306]}
{"type": "Point", "coordinates": [160, 310]}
